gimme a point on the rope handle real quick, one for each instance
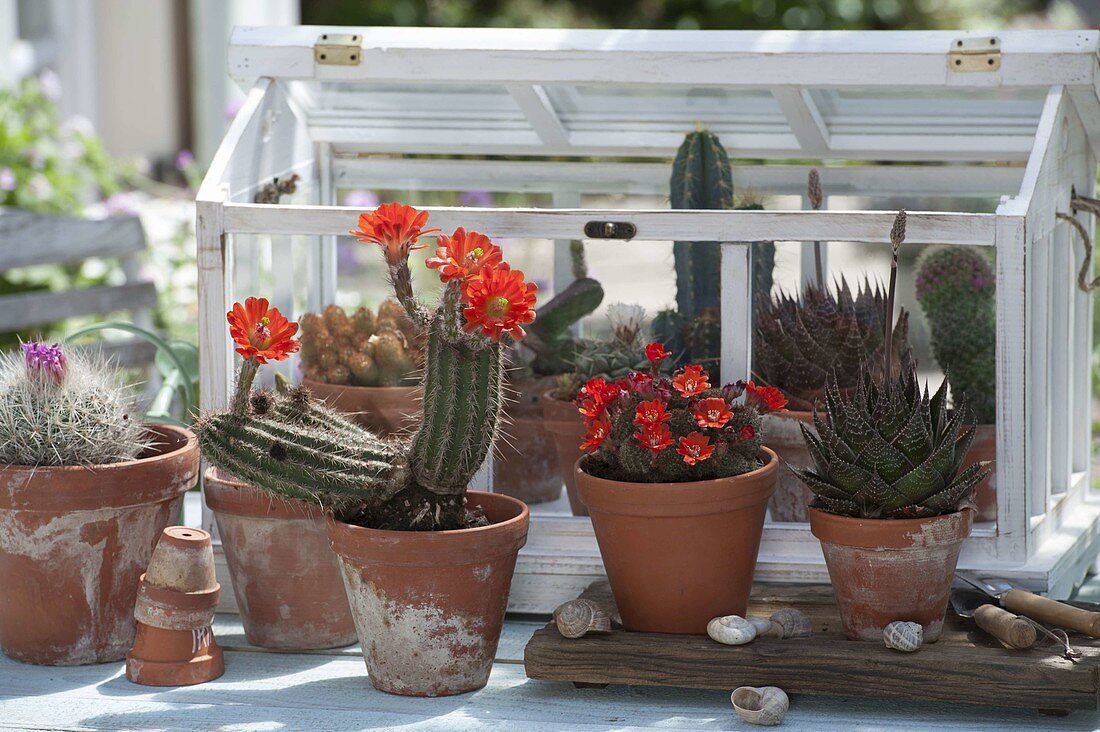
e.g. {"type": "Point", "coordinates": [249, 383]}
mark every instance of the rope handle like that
{"type": "Point", "coordinates": [1091, 205]}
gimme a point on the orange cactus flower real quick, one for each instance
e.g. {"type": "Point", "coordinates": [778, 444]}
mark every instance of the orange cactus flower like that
{"type": "Point", "coordinates": [651, 414]}
{"type": "Point", "coordinates": [395, 227]}
{"type": "Point", "coordinates": [261, 332]}
{"type": "Point", "coordinates": [712, 412]}
{"type": "Point", "coordinates": [656, 352]}
{"type": "Point", "coordinates": [462, 253]}
{"type": "Point", "coordinates": [654, 439]}
{"type": "Point", "coordinates": [598, 430]}
{"type": "Point", "coordinates": [691, 380]}
{"type": "Point", "coordinates": [499, 301]}
{"type": "Point", "coordinates": [695, 448]}
{"type": "Point", "coordinates": [767, 398]}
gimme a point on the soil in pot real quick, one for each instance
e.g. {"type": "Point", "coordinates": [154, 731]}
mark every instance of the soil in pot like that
{"type": "Point", "coordinates": [984, 448]}
{"type": "Point", "coordinates": [884, 570]}
{"type": "Point", "coordinates": [526, 464]}
{"type": "Point", "coordinates": [286, 579]}
{"type": "Point", "coordinates": [429, 606]}
{"type": "Point", "coordinates": [385, 410]}
{"type": "Point", "coordinates": [565, 424]}
{"type": "Point", "coordinates": [74, 543]}
{"type": "Point", "coordinates": [679, 554]}
{"type": "Point", "coordinates": [783, 435]}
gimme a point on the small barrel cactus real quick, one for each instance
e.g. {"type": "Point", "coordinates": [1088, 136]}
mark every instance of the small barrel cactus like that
{"type": "Point", "coordinates": [363, 348]}
{"type": "Point", "coordinates": [646, 428]}
{"type": "Point", "coordinates": [885, 449]}
{"type": "Point", "coordinates": [957, 291]}
{"type": "Point", "coordinates": [294, 447]}
{"type": "Point", "coordinates": [610, 358]}
{"type": "Point", "coordinates": [66, 407]}
{"type": "Point", "coordinates": [800, 342]}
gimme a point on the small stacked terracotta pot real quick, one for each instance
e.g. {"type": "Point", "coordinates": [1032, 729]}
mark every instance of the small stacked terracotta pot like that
{"type": "Point", "coordinates": [175, 645]}
{"type": "Point", "coordinates": [984, 449]}
{"type": "Point", "coordinates": [565, 423]}
{"type": "Point", "coordinates": [526, 465]}
{"type": "Point", "coordinates": [286, 578]}
{"type": "Point", "coordinates": [783, 434]}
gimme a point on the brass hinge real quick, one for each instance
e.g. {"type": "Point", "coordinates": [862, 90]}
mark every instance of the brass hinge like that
{"type": "Point", "coordinates": [975, 54]}
{"type": "Point", "coordinates": [338, 49]}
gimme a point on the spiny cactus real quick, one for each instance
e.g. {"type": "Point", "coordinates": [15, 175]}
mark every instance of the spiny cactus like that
{"type": "Point", "coordinates": [610, 358]}
{"type": "Point", "coordinates": [65, 408]}
{"type": "Point", "coordinates": [800, 342]}
{"type": "Point", "coordinates": [551, 340]}
{"type": "Point", "coordinates": [361, 349]}
{"type": "Point", "coordinates": [646, 428]}
{"type": "Point", "coordinates": [887, 450]}
{"type": "Point", "coordinates": [956, 289]}
{"type": "Point", "coordinates": [702, 179]}
{"type": "Point", "coordinates": [292, 447]}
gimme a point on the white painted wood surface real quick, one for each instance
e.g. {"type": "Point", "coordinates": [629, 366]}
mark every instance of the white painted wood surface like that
{"type": "Point", "coordinates": [331, 691]}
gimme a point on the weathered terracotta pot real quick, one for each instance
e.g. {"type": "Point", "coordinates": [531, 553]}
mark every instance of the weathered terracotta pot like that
{"type": "Point", "coordinates": [429, 606]}
{"type": "Point", "coordinates": [984, 448]}
{"type": "Point", "coordinates": [679, 554]}
{"type": "Point", "coordinates": [176, 601]}
{"type": "Point", "coordinates": [566, 425]}
{"type": "Point", "coordinates": [385, 410]}
{"type": "Point", "coordinates": [526, 465]}
{"type": "Point", "coordinates": [783, 435]}
{"type": "Point", "coordinates": [285, 577]}
{"type": "Point", "coordinates": [74, 543]}
{"type": "Point", "coordinates": [884, 570]}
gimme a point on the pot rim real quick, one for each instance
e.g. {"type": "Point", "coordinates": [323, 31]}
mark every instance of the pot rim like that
{"type": "Point", "coordinates": [453, 547]}
{"type": "Point", "coordinates": [689, 498]}
{"type": "Point", "coordinates": [884, 533]}
{"type": "Point", "coordinates": [394, 390]}
{"type": "Point", "coordinates": [226, 493]}
{"type": "Point", "coordinates": [66, 488]}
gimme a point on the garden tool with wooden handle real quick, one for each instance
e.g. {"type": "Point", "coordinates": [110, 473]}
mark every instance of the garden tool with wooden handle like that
{"type": "Point", "coordinates": [1041, 609]}
{"type": "Point", "coordinates": [1012, 630]}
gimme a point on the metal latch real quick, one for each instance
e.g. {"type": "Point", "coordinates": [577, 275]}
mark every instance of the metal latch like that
{"type": "Point", "coordinates": [975, 54]}
{"type": "Point", "coordinates": [338, 49]}
{"type": "Point", "coordinates": [610, 230]}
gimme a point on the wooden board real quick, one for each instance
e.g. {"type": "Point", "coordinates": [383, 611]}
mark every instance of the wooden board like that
{"type": "Point", "coordinates": [964, 666]}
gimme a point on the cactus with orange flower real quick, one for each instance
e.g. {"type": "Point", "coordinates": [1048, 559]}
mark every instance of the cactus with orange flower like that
{"type": "Point", "coordinates": [295, 447]}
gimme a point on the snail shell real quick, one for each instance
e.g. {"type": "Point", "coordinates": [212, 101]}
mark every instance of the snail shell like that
{"type": "Point", "coordinates": [733, 630]}
{"type": "Point", "coordinates": [763, 626]}
{"type": "Point", "coordinates": [765, 706]}
{"type": "Point", "coordinates": [790, 623]}
{"type": "Point", "coordinates": [903, 636]}
{"type": "Point", "coordinates": [577, 618]}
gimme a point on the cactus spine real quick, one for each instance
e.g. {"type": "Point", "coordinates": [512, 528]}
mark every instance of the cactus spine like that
{"type": "Point", "coordinates": [956, 289]}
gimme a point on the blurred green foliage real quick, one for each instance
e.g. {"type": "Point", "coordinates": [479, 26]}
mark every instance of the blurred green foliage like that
{"type": "Point", "coordinates": [683, 14]}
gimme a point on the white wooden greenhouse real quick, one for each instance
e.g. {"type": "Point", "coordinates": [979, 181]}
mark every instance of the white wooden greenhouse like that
{"type": "Point", "coordinates": [1005, 127]}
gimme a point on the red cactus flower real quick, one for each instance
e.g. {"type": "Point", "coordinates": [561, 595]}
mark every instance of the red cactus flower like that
{"type": "Point", "coordinates": [654, 439]}
{"type": "Point", "coordinates": [651, 414]}
{"type": "Point", "coordinates": [598, 430]}
{"type": "Point", "coordinates": [712, 412]}
{"type": "Point", "coordinates": [748, 432]}
{"type": "Point", "coordinates": [395, 227]}
{"type": "Point", "coordinates": [767, 398]}
{"type": "Point", "coordinates": [695, 448]}
{"type": "Point", "coordinates": [595, 396]}
{"type": "Point", "coordinates": [499, 301]}
{"type": "Point", "coordinates": [261, 333]}
{"type": "Point", "coordinates": [462, 253]}
{"type": "Point", "coordinates": [691, 380]}
{"type": "Point", "coordinates": [656, 353]}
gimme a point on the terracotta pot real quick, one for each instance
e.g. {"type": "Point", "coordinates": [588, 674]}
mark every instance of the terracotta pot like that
{"type": "Point", "coordinates": [429, 606]}
{"type": "Point", "coordinates": [285, 577]}
{"type": "Point", "coordinates": [526, 465]}
{"type": "Point", "coordinates": [891, 569]}
{"type": "Point", "coordinates": [174, 645]}
{"type": "Point", "coordinates": [74, 543]}
{"type": "Point", "coordinates": [385, 410]}
{"type": "Point", "coordinates": [783, 435]}
{"type": "Point", "coordinates": [984, 448]}
{"type": "Point", "coordinates": [566, 425]}
{"type": "Point", "coordinates": [679, 554]}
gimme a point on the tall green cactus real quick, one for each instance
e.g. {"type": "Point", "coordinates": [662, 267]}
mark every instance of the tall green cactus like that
{"type": "Point", "coordinates": [553, 343]}
{"type": "Point", "coordinates": [956, 289]}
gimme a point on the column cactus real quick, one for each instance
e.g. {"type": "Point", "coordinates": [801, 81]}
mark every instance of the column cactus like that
{"type": "Point", "coordinates": [293, 446]}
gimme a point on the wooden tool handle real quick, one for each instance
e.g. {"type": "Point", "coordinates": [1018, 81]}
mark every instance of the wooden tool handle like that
{"type": "Point", "coordinates": [1012, 630]}
{"type": "Point", "coordinates": [1052, 612]}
